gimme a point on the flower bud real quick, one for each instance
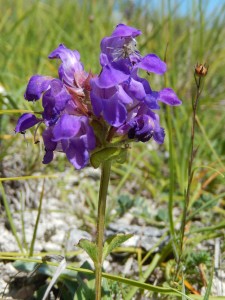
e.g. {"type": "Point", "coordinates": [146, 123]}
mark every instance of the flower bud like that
{"type": "Point", "coordinates": [201, 70]}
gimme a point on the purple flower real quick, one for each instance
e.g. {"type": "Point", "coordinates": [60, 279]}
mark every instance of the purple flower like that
{"type": "Point", "coordinates": [36, 86]}
{"type": "Point", "coordinates": [71, 67]}
{"type": "Point", "coordinates": [65, 102]}
{"type": "Point", "coordinates": [144, 127]}
{"type": "Point", "coordinates": [141, 90]}
{"type": "Point", "coordinates": [121, 44]}
{"type": "Point", "coordinates": [76, 137]}
{"type": "Point", "coordinates": [116, 102]}
{"type": "Point", "coordinates": [118, 91]}
{"type": "Point", "coordinates": [112, 102]}
{"type": "Point", "coordinates": [50, 145]}
{"type": "Point", "coordinates": [26, 121]}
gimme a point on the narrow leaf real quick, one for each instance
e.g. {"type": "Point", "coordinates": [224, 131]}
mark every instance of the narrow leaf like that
{"type": "Point", "coordinates": [61, 267]}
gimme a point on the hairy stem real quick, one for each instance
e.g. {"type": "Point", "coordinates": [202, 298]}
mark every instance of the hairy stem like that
{"type": "Point", "coordinates": [105, 175]}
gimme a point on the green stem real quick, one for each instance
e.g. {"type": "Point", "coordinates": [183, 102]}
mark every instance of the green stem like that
{"type": "Point", "coordinates": [37, 221]}
{"type": "Point", "coordinates": [172, 179]}
{"type": "Point", "coordinates": [105, 175]}
{"type": "Point", "coordinates": [192, 154]}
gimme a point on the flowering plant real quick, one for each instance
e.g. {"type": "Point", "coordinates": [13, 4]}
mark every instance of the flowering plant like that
{"type": "Point", "coordinates": [84, 113]}
{"type": "Point", "coordinates": [91, 118]}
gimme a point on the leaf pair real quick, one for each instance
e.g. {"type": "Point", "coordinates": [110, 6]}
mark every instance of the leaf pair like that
{"type": "Point", "coordinates": [110, 244]}
{"type": "Point", "coordinates": [106, 154]}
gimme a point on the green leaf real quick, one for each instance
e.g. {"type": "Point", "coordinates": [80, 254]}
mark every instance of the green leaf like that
{"type": "Point", "coordinates": [86, 289]}
{"type": "Point", "coordinates": [90, 248]}
{"type": "Point", "coordinates": [113, 242]}
{"type": "Point", "coordinates": [111, 153]}
{"type": "Point", "coordinates": [86, 283]}
{"type": "Point", "coordinates": [25, 266]}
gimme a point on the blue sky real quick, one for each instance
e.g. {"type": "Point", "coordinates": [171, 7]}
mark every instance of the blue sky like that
{"type": "Point", "coordinates": [210, 5]}
{"type": "Point", "coordinates": [185, 5]}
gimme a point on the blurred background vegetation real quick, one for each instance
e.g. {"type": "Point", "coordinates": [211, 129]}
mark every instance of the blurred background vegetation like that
{"type": "Point", "coordinates": [30, 30]}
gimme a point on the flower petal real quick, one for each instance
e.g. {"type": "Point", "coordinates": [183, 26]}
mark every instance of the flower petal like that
{"type": "Point", "coordinates": [36, 86]}
{"type": "Point", "coordinates": [26, 121]}
{"type": "Point", "coordinates": [50, 144]}
{"type": "Point", "coordinates": [77, 153]}
{"type": "Point", "coordinates": [136, 89]}
{"type": "Point", "coordinates": [151, 100]}
{"type": "Point", "coordinates": [110, 77]}
{"type": "Point", "coordinates": [67, 127]}
{"type": "Point", "coordinates": [96, 102]}
{"type": "Point", "coordinates": [159, 135]}
{"type": "Point", "coordinates": [87, 134]}
{"type": "Point", "coordinates": [123, 30]}
{"type": "Point", "coordinates": [114, 111]}
{"type": "Point", "coordinates": [54, 101]}
{"type": "Point", "coordinates": [152, 63]}
{"type": "Point", "coordinates": [169, 97]}
{"type": "Point", "coordinates": [70, 63]}
{"type": "Point", "coordinates": [48, 157]}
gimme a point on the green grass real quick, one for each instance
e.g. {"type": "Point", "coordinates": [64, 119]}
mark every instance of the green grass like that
{"type": "Point", "coordinates": [30, 30]}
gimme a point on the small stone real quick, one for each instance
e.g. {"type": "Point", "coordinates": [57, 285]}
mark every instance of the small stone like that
{"type": "Point", "coordinates": [74, 236]}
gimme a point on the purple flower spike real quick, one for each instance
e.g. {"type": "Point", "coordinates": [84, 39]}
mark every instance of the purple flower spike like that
{"type": "Point", "coordinates": [66, 105]}
{"type": "Point", "coordinates": [25, 122]}
{"type": "Point", "coordinates": [117, 102]}
{"type": "Point", "coordinates": [120, 62]}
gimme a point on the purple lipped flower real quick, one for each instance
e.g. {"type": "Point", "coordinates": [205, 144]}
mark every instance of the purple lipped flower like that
{"type": "Point", "coordinates": [146, 126]}
{"type": "Point", "coordinates": [121, 45]}
{"type": "Point", "coordinates": [141, 90]}
{"type": "Point", "coordinates": [76, 137]}
{"type": "Point", "coordinates": [66, 107]}
{"type": "Point", "coordinates": [70, 67]}
{"type": "Point", "coordinates": [112, 102]}
{"type": "Point", "coordinates": [26, 121]}
{"type": "Point", "coordinates": [54, 96]}
{"type": "Point", "coordinates": [143, 126]}
{"type": "Point", "coordinates": [37, 85]}
{"type": "Point", "coordinates": [118, 91]}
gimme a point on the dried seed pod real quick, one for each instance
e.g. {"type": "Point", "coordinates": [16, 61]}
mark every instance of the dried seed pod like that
{"type": "Point", "coordinates": [201, 70]}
